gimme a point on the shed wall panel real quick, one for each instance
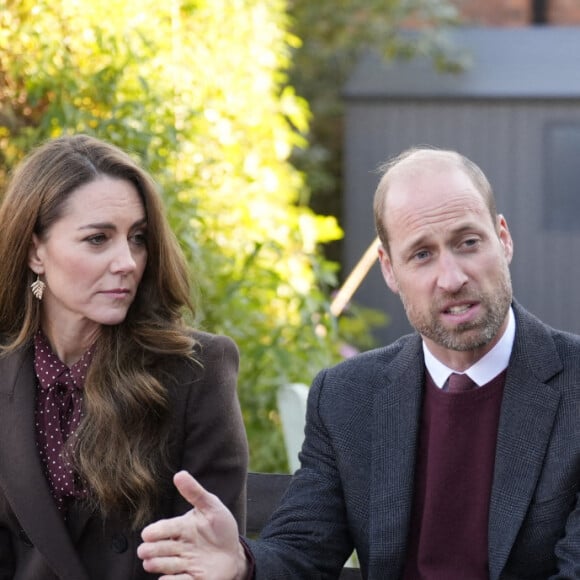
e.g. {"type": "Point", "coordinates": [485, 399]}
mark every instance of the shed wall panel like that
{"type": "Point", "coordinates": [507, 140]}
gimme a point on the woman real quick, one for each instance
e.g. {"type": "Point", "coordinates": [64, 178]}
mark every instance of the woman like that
{"type": "Point", "coordinates": [104, 391]}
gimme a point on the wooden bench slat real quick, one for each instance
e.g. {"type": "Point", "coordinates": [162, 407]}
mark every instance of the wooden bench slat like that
{"type": "Point", "coordinates": [264, 493]}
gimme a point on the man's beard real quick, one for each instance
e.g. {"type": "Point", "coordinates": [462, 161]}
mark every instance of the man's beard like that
{"type": "Point", "coordinates": [469, 335]}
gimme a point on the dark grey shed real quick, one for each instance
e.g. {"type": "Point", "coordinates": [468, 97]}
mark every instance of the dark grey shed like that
{"type": "Point", "coordinates": [516, 113]}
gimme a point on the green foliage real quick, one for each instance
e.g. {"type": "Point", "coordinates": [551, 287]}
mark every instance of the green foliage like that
{"type": "Point", "coordinates": [334, 34]}
{"type": "Point", "coordinates": [197, 90]}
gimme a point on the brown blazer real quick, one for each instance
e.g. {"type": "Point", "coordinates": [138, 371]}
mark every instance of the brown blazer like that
{"type": "Point", "coordinates": [207, 438]}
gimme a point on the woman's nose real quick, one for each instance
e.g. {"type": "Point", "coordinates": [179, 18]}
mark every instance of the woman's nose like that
{"type": "Point", "coordinates": [124, 261]}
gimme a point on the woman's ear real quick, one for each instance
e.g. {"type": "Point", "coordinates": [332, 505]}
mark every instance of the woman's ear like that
{"type": "Point", "coordinates": [35, 262]}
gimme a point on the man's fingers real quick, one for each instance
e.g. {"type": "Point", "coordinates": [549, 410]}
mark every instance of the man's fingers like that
{"type": "Point", "coordinates": [174, 566]}
{"type": "Point", "coordinates": [157, 549]}
{"type": "Point", "coordinates": [163, 530]}
{"type": "Point", "coordinates": [194, 492]}
{"type": "Point", "coordinates": [202, 501]}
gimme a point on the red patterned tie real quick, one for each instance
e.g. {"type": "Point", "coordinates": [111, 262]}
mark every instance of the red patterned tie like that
{"type": "Point", "coordinates": [459, 383]}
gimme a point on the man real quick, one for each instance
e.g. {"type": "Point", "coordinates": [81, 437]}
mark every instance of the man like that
{"type": "Point", "coordinates": [426, 474]}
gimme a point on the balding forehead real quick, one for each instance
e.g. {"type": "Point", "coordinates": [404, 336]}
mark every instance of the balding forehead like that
{"type": "Point", "coordinates": [419, 163]}
{"type": "Point", "coordinates": [425, 159]}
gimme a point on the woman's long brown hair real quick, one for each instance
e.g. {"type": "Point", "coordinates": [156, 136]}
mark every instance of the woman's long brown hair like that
{"type": "Point", "coordinates": [118, 450]}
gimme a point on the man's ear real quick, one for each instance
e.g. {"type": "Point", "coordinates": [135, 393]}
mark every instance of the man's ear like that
{"type": "Point", "coordinates": [35, 262]}
{"type": "Point", "coordinates": [505, 238]}
{"type": "Point", "coordinates": [387, 269]}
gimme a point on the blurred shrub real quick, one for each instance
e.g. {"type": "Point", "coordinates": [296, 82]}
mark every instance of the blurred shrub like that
{"type": "Point", "coordinates": [197, 90]}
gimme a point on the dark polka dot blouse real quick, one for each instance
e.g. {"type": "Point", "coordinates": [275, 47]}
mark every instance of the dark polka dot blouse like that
{"type": "Point", "coordinates": [59, 398]}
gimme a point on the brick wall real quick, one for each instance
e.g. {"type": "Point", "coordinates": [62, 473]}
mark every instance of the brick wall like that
{"type": "Point", "coordinates": [564, 12]}
{"type": "Point", "coordinates": [494, 12]}
{"type": "Point", "coordinates": [516, 12]}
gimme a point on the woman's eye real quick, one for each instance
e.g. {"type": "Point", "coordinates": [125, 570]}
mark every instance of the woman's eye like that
{"type": "Point", "coordinates": [97, 239]}
{"type": "Point", "coordinates": [139, 238]}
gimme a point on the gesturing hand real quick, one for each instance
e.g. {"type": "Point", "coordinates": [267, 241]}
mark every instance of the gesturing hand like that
{"type": "Point", "coordinates": [203, 543]}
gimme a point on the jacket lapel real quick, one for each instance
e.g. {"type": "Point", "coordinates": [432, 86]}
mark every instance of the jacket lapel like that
{"type": "Point", "coordinates": [21, 476]}
{"type": "Point", "coordinates": [527, 415]}
{"type": "Point", "coordinates": [395, 427]}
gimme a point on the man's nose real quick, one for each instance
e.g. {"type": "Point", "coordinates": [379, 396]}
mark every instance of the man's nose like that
{"type": "Point", "coordinates": [451, 276]}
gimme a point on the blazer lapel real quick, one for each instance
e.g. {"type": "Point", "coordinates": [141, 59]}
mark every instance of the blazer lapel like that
{"type": "Point", "coordinates": [528, 412]}
{"type": "Point", "coordinates": [21, 476]}
{"type": "Point", "coordinates": [395, 427]}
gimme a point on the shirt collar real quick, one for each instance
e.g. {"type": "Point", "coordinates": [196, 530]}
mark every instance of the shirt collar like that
{"type": "Point", "coordinates": [50, 370]}
{"type": "Point", "coordinates": [486, 368]}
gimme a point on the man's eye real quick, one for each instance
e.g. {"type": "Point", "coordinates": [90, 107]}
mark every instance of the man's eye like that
{"type": "Point", "coordinates": [422, 255]}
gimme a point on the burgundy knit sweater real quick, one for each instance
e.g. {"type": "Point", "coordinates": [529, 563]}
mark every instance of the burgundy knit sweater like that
{"type": "Point", "coordinates": [453, 477]}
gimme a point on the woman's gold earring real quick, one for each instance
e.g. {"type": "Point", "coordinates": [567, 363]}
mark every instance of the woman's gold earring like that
{"type": "Point", "coordinates": [38, 287]}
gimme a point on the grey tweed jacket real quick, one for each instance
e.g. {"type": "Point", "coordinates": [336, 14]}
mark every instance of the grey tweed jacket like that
{"type": "Point", "coordinates": [355, 486]}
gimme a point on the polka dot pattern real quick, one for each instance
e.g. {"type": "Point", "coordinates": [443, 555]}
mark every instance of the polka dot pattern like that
{"type": "Point", "coordinates": [58, 414]}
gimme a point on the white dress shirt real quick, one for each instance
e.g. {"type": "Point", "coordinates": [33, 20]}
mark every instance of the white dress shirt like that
{"type": "Point", "coordinates": [486, 368]}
